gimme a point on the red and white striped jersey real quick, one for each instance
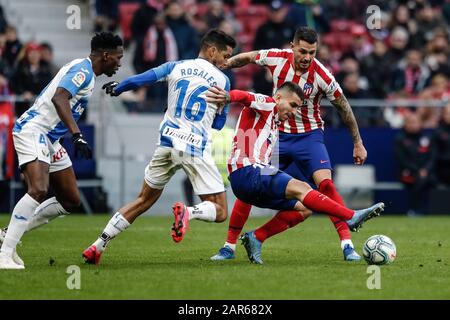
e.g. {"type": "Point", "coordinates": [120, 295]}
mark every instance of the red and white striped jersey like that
{"type": "Point", "coordinates": [256, 131]}
{"type": "Point", "coordinates": [316, 83]}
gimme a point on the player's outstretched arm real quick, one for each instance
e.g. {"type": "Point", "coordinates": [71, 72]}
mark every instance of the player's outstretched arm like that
{"type": "Point", "coordinates": [61, 102]}
{"type": "Point", "coordinates": [146, 78]}
{"type": "Point", "coordinates": [359, 151]}
{"type": "Point", "coordinates": [241, 59]}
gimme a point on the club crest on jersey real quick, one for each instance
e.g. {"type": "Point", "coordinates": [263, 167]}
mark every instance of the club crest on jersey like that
{"type": "Point", "coordinates": [307, 89]}
{"type": "Point", "coordinates": [260, 98]}
{"type": "Point", "coordinates": [78, 79]}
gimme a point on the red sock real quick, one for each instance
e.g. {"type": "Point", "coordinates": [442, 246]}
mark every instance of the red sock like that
{"type": "Point", "coordinates": [282, 221]}
{"type": "Point", "coordinates": [239, 216]}
{"type": "Point", "coordinates": [319, 202]}
{"type": "Point", "coordinates": [327, 188]}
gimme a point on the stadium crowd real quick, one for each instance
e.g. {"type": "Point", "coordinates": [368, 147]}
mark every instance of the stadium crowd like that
{"type": "Point", "coordinates": [406, 56]}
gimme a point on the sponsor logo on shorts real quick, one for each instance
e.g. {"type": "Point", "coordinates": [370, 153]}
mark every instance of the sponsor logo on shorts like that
{"type": "Point", "coordinates": [323, 161]}
{"type": "Point", "coordinates": [59, 154]}
{"type": "Point", "coordinates": [186, 137]}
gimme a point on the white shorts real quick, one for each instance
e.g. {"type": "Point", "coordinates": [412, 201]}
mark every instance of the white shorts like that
{"type": "Point", "coordinates": [201, 171]}
{"type": "Point", "coordinates": [32, 145]}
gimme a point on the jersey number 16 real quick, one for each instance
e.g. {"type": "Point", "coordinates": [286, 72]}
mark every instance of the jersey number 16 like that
{"type": "Point", "coordinates": [195, 106]}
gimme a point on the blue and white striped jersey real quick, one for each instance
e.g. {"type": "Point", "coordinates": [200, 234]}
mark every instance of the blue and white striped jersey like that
{"type": "Point", "coordinates": [78, 78]}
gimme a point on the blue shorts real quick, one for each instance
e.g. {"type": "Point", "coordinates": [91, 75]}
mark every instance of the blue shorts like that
{"type": "Point", "coordinates": [301, 154]}
{"type": "Point", "coordinates": [262, 186]}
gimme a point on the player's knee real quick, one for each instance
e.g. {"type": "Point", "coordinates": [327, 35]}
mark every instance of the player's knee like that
{"type": "Point", "coordinates": [298, 188]}
{"type": "Point", "coordinates": [38, 192]}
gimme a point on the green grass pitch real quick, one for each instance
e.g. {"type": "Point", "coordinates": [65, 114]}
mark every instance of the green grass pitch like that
{"type": "Point", "coordinates": [303, 263]}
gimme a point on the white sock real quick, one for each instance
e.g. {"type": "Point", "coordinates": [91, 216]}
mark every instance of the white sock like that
{"type": "Point", "coordinates": [116, 225]}
{"type": "Point", "coordinates": [346, 241]}
{"type": "Point", "coordinates": [45, 212]}
{"type": "Point", "coordinates": [232, 246]}
{"type": "Point", "coordinates": [205, 211]}
{"type": "Point", "coordinates": [20, 217]}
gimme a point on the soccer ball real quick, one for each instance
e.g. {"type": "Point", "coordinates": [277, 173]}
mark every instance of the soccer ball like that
{"type": "Point", "coordinates": [379, 249]}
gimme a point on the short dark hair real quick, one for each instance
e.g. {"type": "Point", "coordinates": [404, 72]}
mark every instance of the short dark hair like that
{"type": "Point", "coordinates": [292, 87]}
{"type": "Point", "coordinates": [218, 39]}
{"type": "Point", "coordinates": [306, 34]}
{"type": "Point", "coordinates": [105, 41]}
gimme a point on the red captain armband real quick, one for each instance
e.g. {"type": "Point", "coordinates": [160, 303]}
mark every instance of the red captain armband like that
{"type": "Point", "coordinates": [243, 97]}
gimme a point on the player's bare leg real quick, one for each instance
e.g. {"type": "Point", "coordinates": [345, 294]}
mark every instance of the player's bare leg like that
{"type": "Point", "coordinates": [65, 201]}
{"type": "Point", "coordinates": [213, 208]}
{"type": "Point", "coordinates": [121, 221]}
{"type": "Point", "coordinates": [324, 182]}
{"type": "Point", "coordinates": [37, 178]}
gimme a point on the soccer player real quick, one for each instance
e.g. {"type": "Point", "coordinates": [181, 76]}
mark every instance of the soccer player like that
{"type": "Point", "coordinates": [37, 134]}
{"type": "Point", "coordinates": [256, 182]}
{"type": "Point", "coordinates": [184, 142]}
{"type": "Point", "coordinates": [302, 152]}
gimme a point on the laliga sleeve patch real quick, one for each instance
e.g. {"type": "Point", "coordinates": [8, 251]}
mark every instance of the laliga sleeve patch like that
{"type": "Point", "coordinates": [262, 55]}
{"type": "Point", "coordinates": [78, 79]}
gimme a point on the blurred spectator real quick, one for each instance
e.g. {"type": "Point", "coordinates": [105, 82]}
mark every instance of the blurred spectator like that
{"type": "Point", "coordinates": [401, 17]}
{"type": "Point", "coordinates": [106, 15]}
{"type": "Point", "coordinates": [366, 116]}
{"type": "Point", "coordinates": [360, 46]}
{"type": "Point", "coordinates": [5, 68]}
{"type": "Point", "coordinates": [376, 68]}
{"type": "Point", "coordinates": [327, 58]}
{"type": "Point", "coordinates": [186, 36]}
{"type": "Point", "coordinates": [428, 19]}
{"type": "Point", "coordinates": [398, 43]}
{"type": "Point", "coordinates": [438, 90]}
{"type": "Point", "coordinates": [441, 139]}
{"type": "Point", "coordinates": [158, 4]}
{"type": "Point", "coordinates": [349, 64]}
{"type": "Point", "coordinates": [160, 46]}
{"type": "Point", "coordinates": [142, 20]}
{"type": "Point", "coordinates": [12, 47]}
{"type": "Point", "coordinates": [415, 155]}
{"type": "Point", "coordinates": [6, 142]}
{"type": "Point", "coordinates": [231, 29]}
{"type": "Point", "coordinates": [308, 13]}
{"type": "Point", "coordinates": [215, 14]}
{"type": "Point", "coordinates": [438, 50]}
{"type": "Point", "coordinates": [276, 32]}
{"type": "Point", "coordinates": [47, 57]}
{"type": "Point", "coordinates": [411, 76]}
{"type": "Point", "coordinates": [30, 77]}
{"type": "Point", "coordinates": [3, 22]}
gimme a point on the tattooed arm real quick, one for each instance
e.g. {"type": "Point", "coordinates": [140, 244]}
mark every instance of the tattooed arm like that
{"type": "Point", "coordinates": [241, 59]}
{"type": "Point", "coordinates": [342, 105]}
